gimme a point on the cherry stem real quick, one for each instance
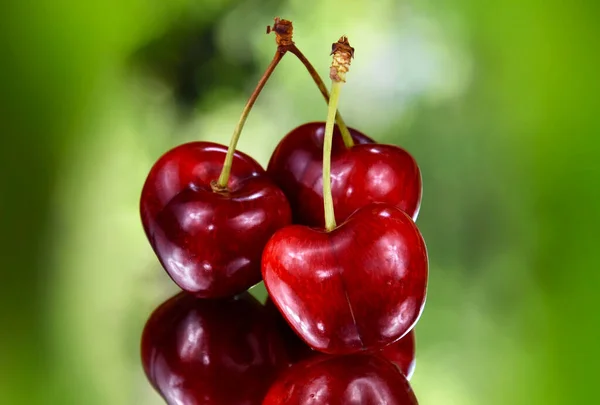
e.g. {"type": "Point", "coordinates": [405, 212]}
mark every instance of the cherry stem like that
{"type": "Point", "coordinates": [221, 184]}
{"type": "Point", "coordinates": [327, 141]}
{"type": "Point", "coordinates": [348, 141]}
{"type": "Point", "coordinates": [342, 57]}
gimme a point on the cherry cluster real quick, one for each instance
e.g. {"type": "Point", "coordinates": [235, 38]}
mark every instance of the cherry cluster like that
{"type": "Point", "coordinates": [337, 327]}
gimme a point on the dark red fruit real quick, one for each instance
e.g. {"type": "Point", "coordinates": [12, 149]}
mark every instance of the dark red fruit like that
{"type": "Point", "coordinates": [359, 287]}
{"type": "Point", "coordinates": [210, 242]}
{"type": "Point", "coordinates": [220, 352]}
{"type": "Point", "coordinates": [402, 354]}
{"type": "Point", "coordinates": [366, 173]}
{"type": "Point", "coordinates": [345, 380]}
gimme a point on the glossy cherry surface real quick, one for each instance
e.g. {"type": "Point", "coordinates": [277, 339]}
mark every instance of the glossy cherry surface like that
{"type": "Point", "coordinates": [402, 354]}
{"type": "Point", "coordinates": [367, 172]}
{"type": "Point", "coordinates": [296, 349]}
{"type": "Point", "coordinates": [221, 352]}
{"type": "Point", "coordinates": [344, 380]}
{"type": "Point", "coordinates": [210, 242]}
{"type": "Point", "coordinates": [359, 287]}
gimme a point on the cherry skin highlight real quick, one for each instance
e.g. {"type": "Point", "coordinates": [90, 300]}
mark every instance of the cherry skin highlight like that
{"type": "Point", "coordinates": [359, 287]}
{"type": "Point", "coordinates": [210, 242]}
{"type": "Point", "coordinates": [365, 173]}
{"type": "Point", "coordinates": [221, 352]}
{"type": "Point", "coordinates": [344, 380]}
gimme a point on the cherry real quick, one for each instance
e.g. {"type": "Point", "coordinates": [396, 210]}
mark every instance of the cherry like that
{"type": "Point", "coordinates": [356, 379]}
{"type": "Point", "coordinates": [359, 287]}
{"type": "Point", "coordinates": [222, 352]}
{"type": "Point", "coordinates": [209, 210]}
{"type": "Point", "coordinates": [355, 287]}
{"type": "Point", "coordinates": [210, 241]}
{"type": "Point", "coordinates": [363, 173]}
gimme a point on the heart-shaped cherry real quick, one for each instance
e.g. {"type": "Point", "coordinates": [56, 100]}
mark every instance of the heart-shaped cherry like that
{"type": "Point", "coordinates": [221, 352]}
{"type": "Point", "coordinates": [364, 173]}
{"type": "Point", "coordinates": [344, 380]}
{"type": "Point", "coordinates": [210, 240]}
{"type": "Point", "coordinates": [354, 287]}
{"type": "Point", "coordinates": [358, 287]}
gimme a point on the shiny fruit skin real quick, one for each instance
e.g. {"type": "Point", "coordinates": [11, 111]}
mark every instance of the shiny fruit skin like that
{"type": "Point", "coordinates": [209, 242]}
{"type": "Point", "coordinates": [368, 172]}
{"type": "Point", "coordinates": [359, 287]}
{"type": "Point", "coordinates": [222, 352]}
{"type": "Point", "coordinates": [342, 380]}
{"type": "Point", "coordinates": [402, 354]}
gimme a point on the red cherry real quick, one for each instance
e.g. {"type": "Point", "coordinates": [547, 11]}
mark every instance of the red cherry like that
{"type": "Point", "coordinates": [210, 242]}
{"type": "Point", "coordinates": [220, 352]}
{"type": "Point", "coordinates": [356, 379]}
{"type": "Point", "coordinates": [402, 354]}
{"type": "Point", "coordinates": [365, 173]}
{"type": "Point", "coordinates": [358, 287]}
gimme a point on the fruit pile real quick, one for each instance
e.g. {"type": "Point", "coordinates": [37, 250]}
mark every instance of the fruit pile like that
{"type": "Point", "coordinates": [329, 227]}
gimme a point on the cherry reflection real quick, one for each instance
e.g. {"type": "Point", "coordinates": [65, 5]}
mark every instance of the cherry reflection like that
{"type": "Point", "coordinates": [224, 352]}
{"type": "Point", "coordinates": [359, 379]}
{"type": "Point", "coordinates": [231, 351]}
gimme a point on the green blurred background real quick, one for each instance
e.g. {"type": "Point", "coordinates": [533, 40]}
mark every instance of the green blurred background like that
{"type": "Point", "coordinates": [498, 101]}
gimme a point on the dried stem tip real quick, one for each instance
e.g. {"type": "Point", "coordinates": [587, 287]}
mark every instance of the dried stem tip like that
{"type": "Point", "coordinates": [283, 30]}
{"type": "Point", "coordinates": [342, 56]}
